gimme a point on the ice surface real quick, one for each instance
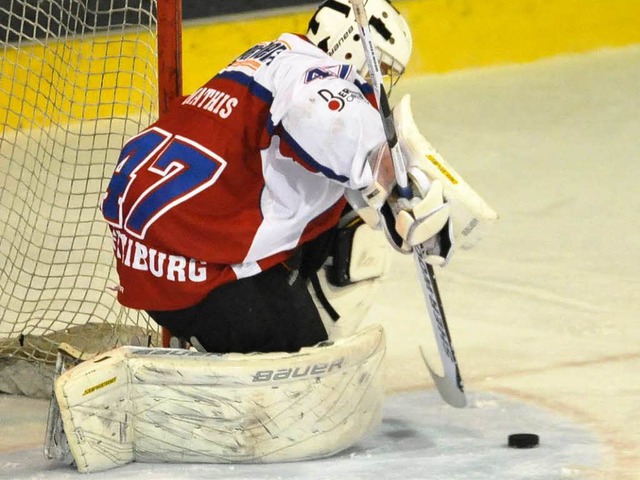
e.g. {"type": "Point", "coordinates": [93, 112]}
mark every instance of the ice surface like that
{"type": "Point", "coordinates": [420, 437]}
{"type": "Point", "coordinates": [543, 312]}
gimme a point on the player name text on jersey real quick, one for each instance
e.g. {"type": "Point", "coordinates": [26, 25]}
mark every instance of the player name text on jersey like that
{"type": "Point", "coordinates": [212, 100]}
{"type": "Point", "coordinates": [175, 268]}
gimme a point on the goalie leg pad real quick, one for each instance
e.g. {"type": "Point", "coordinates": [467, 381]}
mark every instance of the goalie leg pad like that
{"type": "Point", "coordinates": [171, 405]}
{"type": "Point", "coordinates": [56, 446]}
{"type": "Point", "coordinates": [351, 282]}
{"type": "Point", "coordinates": [360, 253]}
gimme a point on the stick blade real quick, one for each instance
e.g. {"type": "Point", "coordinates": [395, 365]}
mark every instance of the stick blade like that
{"type": "Point", "coordinates": [449, 388]}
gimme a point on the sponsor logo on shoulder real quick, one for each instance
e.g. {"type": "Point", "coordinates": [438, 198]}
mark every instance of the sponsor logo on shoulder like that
{"type": "Point", "coordinates": [336, 102]}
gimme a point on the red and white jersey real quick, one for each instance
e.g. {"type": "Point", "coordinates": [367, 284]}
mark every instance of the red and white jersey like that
{"type": "Point", "coordinates": [239, 173]}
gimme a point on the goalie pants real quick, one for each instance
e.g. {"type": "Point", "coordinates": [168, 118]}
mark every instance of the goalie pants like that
{"type": "Point", "coordinates": [267, 312]}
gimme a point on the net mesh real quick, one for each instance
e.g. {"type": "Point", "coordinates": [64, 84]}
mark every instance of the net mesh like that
{"type": "Point", "coordinates": [77, 78]}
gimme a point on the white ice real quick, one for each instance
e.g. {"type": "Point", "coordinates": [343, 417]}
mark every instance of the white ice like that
{"type": "Point", "coordinates": [543, 312]}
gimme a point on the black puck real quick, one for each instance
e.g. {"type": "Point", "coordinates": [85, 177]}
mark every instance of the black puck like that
{"type": "Point", "coordinates": [523, 440]}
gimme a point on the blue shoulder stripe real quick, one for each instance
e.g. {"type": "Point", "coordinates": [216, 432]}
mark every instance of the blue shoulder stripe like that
{"type": "Point", "coordinates": [365, 87]}
{"type": "Point", "coordinates": [248, 81]}
{"type": "Point", "coordinates": [309, 160]}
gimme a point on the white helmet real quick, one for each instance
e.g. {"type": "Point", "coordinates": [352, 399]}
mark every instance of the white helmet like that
{"type": "Point", "coordinates": [333, 28]}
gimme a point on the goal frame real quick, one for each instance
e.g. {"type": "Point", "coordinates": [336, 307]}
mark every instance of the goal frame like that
{"type": "Point", "coordinates": [44, 122]}
{"type": "Point", "coordinates": [169, 32]}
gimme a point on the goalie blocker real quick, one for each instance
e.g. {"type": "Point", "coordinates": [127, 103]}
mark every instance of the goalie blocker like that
{"type": "Point", "coordinates": [173, 405]}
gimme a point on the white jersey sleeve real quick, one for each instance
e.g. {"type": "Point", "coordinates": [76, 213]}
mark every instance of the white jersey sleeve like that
{"type": "Point", "coordinates": [325, 116]}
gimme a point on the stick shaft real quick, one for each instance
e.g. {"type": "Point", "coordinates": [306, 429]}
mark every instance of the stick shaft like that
{"type": "Point", "coordinates": [382, 99]}
{"type": "Point", "coordinates": [450, 385]}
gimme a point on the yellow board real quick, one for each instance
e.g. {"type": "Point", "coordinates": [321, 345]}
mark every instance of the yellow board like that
{"type": "Point", "coordinates": [62, 83]}
{"type": "Point", "coordinates": [448, 35]}
{"type": "Point", "coordinates": [459, 34]}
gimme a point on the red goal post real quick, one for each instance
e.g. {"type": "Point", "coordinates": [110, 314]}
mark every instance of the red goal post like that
{"type": "Point", "coordinates": [169, 52]}
{"type": "Point", "coordinates": [169, 68]}
{"type": "Point", "coordinates": [77, 79]}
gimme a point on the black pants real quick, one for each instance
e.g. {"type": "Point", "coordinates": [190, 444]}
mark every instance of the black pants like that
{"type": "Point", "coordinates": [263, 313]}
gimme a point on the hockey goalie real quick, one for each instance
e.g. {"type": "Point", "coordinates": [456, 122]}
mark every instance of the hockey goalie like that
{"type": "Point", "coordinates": [253, 222]}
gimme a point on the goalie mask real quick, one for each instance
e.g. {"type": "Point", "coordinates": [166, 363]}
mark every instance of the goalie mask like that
{"type": "Point", "coordinates": [333, 28]}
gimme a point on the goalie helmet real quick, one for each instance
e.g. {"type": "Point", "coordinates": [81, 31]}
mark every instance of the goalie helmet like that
{"type": "Point", "coordinates": [333, 28]}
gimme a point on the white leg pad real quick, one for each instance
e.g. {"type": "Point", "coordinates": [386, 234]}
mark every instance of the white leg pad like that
{"type": "Point", "coordinates": [352, 302]}
{"type": "Point", "coordinates": [369, 263]}
{"type": "Point", "coordinates": [171, 405]}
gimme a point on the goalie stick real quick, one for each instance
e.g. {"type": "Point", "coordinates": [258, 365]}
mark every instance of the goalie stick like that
{"type": "Point", "coordinates": [450, 384]}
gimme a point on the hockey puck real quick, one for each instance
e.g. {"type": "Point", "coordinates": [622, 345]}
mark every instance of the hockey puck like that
{"type": "Point", "coordinates": [523, 440]}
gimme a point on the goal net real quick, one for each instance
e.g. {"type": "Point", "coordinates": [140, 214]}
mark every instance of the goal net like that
{"type": "Point", "coordinates": [77, 78]}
